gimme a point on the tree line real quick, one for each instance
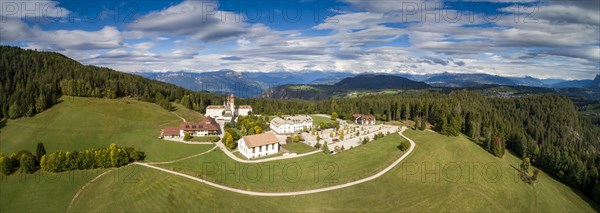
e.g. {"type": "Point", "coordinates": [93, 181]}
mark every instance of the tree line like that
{"type": "Point", "coordinates": [32, 81]}
{"type": "Point", "coordinates": [26, 162]}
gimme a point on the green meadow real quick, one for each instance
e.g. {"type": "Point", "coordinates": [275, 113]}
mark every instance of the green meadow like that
{"type": "Point", "coordinates": [309, 172]}
{"type": "Point", "coordinates": [298, 148]}
{"type": "Point", "coordinates": [86, 123]}
{"type": "Point", "coordinates": [318, 119]}
{"type": "Point", "coordinates": [415, 185]}
{"type": "Point", "coordinates": [442, 174]}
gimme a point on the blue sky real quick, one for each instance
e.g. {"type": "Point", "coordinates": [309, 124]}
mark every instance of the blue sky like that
{"type": "Point", "coordinates": [545, 39]}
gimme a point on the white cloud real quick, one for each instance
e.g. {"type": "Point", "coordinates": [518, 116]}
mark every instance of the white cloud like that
{"type": "Point", "coordinates": [196, 19]}
{"type": "Point", "coordinates": [563, 37]}
{"type": "Point", "coordinates": [18, 31]}
{"type": "Point", "coordinates": [31, 9]}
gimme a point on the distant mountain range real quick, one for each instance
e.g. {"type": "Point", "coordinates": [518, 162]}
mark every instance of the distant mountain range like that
{"type": "Point", "coordinates": [479, 79]}
{"type": "Point", "coordinates": [253, 84]}
{"type": "Point", "coordinates": [242, 84]}
{"type": "Point", "coordinates": [350, 85]}
{"type": "Point", "coordinates": [376, 82]}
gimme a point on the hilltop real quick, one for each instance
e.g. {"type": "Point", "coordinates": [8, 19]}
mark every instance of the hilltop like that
{"type": "Point", "coordinates": [32, 81]}
{"type": "Point", "coordinates": [364, 82]}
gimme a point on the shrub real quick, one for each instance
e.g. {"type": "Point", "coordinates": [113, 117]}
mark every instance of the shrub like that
{"type": "Point", "coordinates": [27, 164]}
{"type": "Point", "coordinates": [6, 164]}
{"type": "Point", "coordinates": [403, 146]}
{"type": "Point", "coordinates": [317, 146]}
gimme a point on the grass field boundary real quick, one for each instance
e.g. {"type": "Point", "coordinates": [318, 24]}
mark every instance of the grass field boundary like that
{"type": "Point", "coordinates": [185, 158]}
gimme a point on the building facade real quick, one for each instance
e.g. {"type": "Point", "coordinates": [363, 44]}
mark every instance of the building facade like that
{"type": "Point", "coordinates": [228, 111]}
{"type": "Point", "coordinates": [208, 127]}
{"type": "Point", "coordinates": [291, 124]}
{"type": "Point", "coordinates": [364, 119]}
{"type": "Point", "coordinates": [259, 145]}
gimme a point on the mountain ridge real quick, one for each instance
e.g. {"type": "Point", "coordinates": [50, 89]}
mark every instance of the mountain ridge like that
{"type": "Point", "coordinates": [252, 84]}
{"type": "Point", "coordinates": [363, 82]}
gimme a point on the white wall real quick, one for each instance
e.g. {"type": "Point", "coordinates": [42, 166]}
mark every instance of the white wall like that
{"type": "Point", "coordinates": [244, 112]}
{"type": "Point", "coordinates": [214, 112]}
{"type": "Point", "coordinates": [256, 152]}
{"type": "Point", "coordinates": [287, 128]}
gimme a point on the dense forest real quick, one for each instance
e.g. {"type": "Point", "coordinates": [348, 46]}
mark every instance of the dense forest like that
{"type": "Point", "coordinates": [32, 81]}
{"type": "Point", "coordinates": [546, 128]}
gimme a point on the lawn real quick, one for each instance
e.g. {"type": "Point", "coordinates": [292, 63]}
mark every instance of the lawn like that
{"type": "Point", "coordinates": [205, 139]}
{"type": "Point", "coordinates": [425, 182]}
{"type": "Point", "coordinates": [188, 114]}
{"type": "Point", "coordinates": [318, 119]}
{"type": "Point", "coordinates": [443, 173]}
{"type": "Point", "coordinates": [298, 148]}
{"type": "Point", "coordinates": [43, 191]}
{"type": "Point", "coordinates": [313, 171]}
{"type": "Point", "coordinates": [86, 123]}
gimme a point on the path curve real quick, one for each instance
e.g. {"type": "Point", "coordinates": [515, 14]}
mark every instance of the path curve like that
{"type": "Point", "coordinates": [279, 194]}
{"type": "Point", "coordinates": [108, 171]}
{"type": "Point", "coordinates": [183, 119]}
{"type": "Point", "coordinates": [185, 158]}
{"type": "Point", "coordinates": [83, 187]}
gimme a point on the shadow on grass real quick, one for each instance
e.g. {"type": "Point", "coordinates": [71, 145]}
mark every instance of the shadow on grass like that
{"type": "Point", "coordinates": [584, 197]}
{"type": "Point", "coordinates": [3, 123]}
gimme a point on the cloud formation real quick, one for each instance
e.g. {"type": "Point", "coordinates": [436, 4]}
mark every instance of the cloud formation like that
{"type": "Point", "coordinates": [196, 19]}
{"type": "Point", "coordinates": [545, 39]}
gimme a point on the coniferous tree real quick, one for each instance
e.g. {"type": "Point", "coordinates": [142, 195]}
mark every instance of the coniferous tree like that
{"type": "Point", "coordinates": [325, 148]}
{"type": "Point", "coordinates": [40, 151]}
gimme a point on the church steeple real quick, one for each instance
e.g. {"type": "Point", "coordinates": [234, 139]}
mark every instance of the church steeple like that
{"type": "Point", "coordinates": [231, 103]}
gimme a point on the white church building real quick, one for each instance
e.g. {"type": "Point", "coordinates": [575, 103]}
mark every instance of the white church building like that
{"type": "Point", "coordinates": [291, 124]}
{"type": "Point", "coordinates": [259, 145]}
{"type": "Point", "coordinates": [228, 111]}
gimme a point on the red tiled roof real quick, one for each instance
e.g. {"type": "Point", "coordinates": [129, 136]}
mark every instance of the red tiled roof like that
{"type": "Point", "coordinates": [368, 117]}
{"type": "Point", "coordinates": [208, 120]}
{"type": "Point", "coordinates": [356, 115]}
{"type": "Point", "coordinates": [198, 126]}
{"type": "Point", "coordinates": [170, 131]}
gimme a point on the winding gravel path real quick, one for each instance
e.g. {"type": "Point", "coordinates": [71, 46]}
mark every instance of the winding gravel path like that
{"type": "Point", "coordinates": [182, 159]}
{"type": "Point", "coordinates": [183, 119]}
{"type": "Point", "coordinates": [83, 187]}
{"type": "Point", "coordinates": [276, 194]}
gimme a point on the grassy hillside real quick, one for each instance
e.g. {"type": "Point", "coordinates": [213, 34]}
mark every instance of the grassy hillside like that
{"type": "Point", "coordinates": [85, 123]}
{"type": "Point", "coordinates": [428, 180]}
{"type": "Point", "coordinates": [298, 173]}
{"type": "Point", "coordinates": [188, 114]}
{"type": "Point", "coordinates": [44, 191]}
{"type": "Point", "coordinates": [405, 188]}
